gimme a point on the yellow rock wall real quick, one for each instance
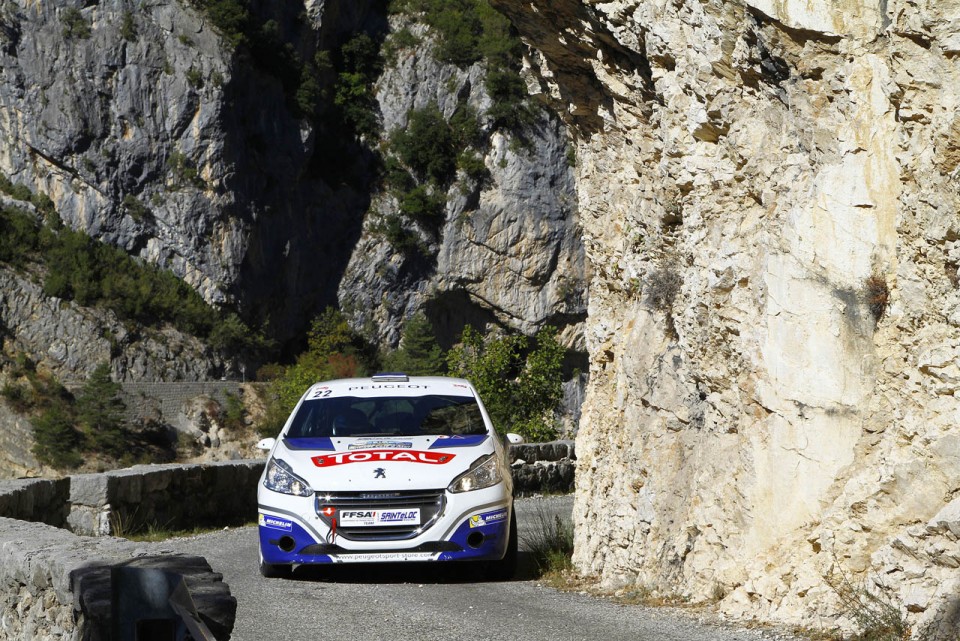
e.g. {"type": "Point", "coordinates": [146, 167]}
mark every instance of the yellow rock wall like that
{"type": "Point", "coordinates": [768, 193]}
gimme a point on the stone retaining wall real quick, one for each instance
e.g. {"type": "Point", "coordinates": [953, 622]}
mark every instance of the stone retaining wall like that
{"type": "Point", "coordinates": [543, 468]}
{"type": "Point", "coordinates": [167, 399]}
{"type": "Point", "coordinates": [164, 496]}
{"type": "Point", "coordinates": [55, 585]}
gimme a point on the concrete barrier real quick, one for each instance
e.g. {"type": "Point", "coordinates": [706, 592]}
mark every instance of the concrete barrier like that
{"type": "Point", "coordinates": [55, 584]}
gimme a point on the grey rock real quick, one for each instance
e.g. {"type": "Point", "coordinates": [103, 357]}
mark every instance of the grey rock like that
{"type": "Point", "coordinates": [71, 340]}
{"type": "Point", "coordinates": [509, 253]}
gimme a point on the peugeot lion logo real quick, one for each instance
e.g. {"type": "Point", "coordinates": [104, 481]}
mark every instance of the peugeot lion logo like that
{"type": "Point", "coordinates": [379, 473]}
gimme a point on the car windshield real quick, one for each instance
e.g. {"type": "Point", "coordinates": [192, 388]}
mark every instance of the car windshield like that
{"type": "Point", "coordinates": [388, 416]}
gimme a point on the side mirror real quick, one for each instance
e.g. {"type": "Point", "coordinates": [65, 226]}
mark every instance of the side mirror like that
{"type": "Point", "coordinates": [514, 439]}
{"type": "Point", "coordinates": [266, 444]}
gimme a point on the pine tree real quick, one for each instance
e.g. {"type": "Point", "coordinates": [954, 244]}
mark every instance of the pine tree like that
{"type": "Point", "coordinates": [55, 440]}
{"type": "Point", "coordinates": [419, 353]}
{"type": "Point", "coordinates": [100, 411]}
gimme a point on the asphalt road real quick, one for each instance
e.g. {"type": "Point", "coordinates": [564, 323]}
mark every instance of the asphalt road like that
{"type": "Point", "coordinates": [436, 603]}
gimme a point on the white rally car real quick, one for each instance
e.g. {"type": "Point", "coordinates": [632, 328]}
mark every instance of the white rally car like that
{"type": "Point", "coordinates": [384, 469]}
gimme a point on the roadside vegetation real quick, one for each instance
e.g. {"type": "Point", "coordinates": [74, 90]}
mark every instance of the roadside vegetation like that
{"type": "Point", "coordinates": [550, 543]}
{"type": "Point", "coordinates": [71, 430]}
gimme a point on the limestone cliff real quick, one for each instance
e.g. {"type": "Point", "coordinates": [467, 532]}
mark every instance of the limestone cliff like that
{"type": "Point", "coordinates": [508, 252]}
{"type": "Point", "coordinates": [150, 130]}
{"type": "Point", "coordinates": [768, 202]}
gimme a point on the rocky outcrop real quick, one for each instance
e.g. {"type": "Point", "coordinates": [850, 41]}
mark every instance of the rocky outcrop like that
{"type": "Point", "coordinates": [509, 252]}
{"type": "Point", "coordinates": [70, 340]}
{"type": "Point", "coordinates": [767, 202]}
{"type": "Point", "coordinates": [149, 131]}
{"type": "Point", "coordinates": [16, 439]}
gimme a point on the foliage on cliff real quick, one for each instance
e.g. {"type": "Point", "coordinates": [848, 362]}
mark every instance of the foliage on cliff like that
{"type": "Point", "coordinates": [471, 31]}
{"type": "Point", "coordinates": [520, 383]}
{"type": "Point", "coordinates": [81, 269]}
{"type": "Point", "coordinates": [419, 353]}
{"type": "Point", "coordinates": [68, 429]}
{"type": "Point", "coordinates": [333, 351]}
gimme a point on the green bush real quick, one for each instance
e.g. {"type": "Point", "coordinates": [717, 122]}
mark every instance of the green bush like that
{"type": "Point", "coordinates": [234, 413]}
{"type": "Point", "coordinates": [511, 108]}
{"type": "Point", "coordinates": [15, 190]}
{"type": "Point", "coordinates": [333, 351]}
{"type": "Point", "coordinates": [16, 396]}
{"type": "Point", "coordinates": [465, 125]}
{"type": "Point", "coordinates": [56, 442]}
{"type": "Point", "coordinates": [396, 175]}
{"type": "Point", "coordinates": [74, 24]}
{"type": "Point", "coordinates": [137, 210]}
{"type": "Point", "coordinates": [194, 77]}
{"type": "Point", "coordinates": [359, 68]}
{"type": "Point", "coordinates": [183, 172]}
{"type": "Point", "coordinates": [48, 403]}
{"type": "Point", "coordinates": [128, 28]}
{"type": "Point", "coordinates": [426, 145]}
{"type": "Point", "coordinates": [400, 237]}
{"type": "Point", "coordinates": [19, 235]}
{"type": "Point", "coordinates": [472, 164]}
{"type": "Point", "coordinates": [424, 206]}
{"type": "Point", "coordinates": [309, 92]}
{"type": "Point", "coordinates": [521, 388]}
{"type": "Point", "coordinates": [230, 17]}
{"type": "Point", "coordinates": [550, 542]}
{"type": "Point", "coordinates": [100, 412]}
{"type": "Point", "coordinates": [397, 41]}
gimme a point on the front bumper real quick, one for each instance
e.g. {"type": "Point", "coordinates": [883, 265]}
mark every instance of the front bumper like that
{"type": "Point", "coordinates": [472, 526]}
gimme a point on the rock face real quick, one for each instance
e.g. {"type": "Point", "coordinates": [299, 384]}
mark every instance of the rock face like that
{"type": "Point", "coordinates": [767, 197]}
{"type": "Point", "coordinates": [509, 252]}
{"type": "Point", "coordinates": [71, 340]}
{"type": "Point", "coordinates": [150, 132]}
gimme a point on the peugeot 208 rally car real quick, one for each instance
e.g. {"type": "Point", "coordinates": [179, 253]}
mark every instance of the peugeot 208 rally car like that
{"type": "Point", "coordinates": [384, 469]}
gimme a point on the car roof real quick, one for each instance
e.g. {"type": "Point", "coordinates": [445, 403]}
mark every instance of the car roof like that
{"type": "Point", "coordinates": [392, 385]}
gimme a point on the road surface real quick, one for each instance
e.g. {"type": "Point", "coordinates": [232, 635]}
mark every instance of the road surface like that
{"type": "Point", "coordinates": [435, 603]}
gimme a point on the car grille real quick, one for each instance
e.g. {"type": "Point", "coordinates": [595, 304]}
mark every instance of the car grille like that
{"type": "Point", "coordinates": [430, 503]}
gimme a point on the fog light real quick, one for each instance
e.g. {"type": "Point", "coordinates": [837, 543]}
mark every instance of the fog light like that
{"type": "Point", "coordinates": [286, 543]}
{"type": "Point", "coordinates": [475, 540]}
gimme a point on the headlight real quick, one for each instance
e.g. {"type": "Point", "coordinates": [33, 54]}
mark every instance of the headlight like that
{"type": "Point", "coordinates": [280, 478]}
{"type": "Point", "coordinates": [484, 473]}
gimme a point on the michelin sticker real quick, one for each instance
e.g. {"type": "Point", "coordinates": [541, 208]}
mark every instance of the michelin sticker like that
{"type": "Point", "coordinates": [275, 523]}
{"type": "Point", "coordinates": [489, 518]}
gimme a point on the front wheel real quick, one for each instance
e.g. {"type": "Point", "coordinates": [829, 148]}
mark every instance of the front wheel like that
{"type": "Point", "coordinates": [274, 570]}
{"type": "Point", "coordinates": [505, 568]}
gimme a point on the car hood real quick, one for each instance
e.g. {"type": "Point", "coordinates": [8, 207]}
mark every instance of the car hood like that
{"type": "Point", "coordinates": [377, 463]}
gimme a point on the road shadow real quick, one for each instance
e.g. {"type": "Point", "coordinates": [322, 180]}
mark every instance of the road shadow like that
{"type": "Point", "coordinates": [396, 573]}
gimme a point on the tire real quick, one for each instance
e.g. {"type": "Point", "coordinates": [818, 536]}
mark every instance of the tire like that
{"type": "Point", "coordinates": [505, 568]}
{"type": "Point", "coordinates": [274, 571]}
